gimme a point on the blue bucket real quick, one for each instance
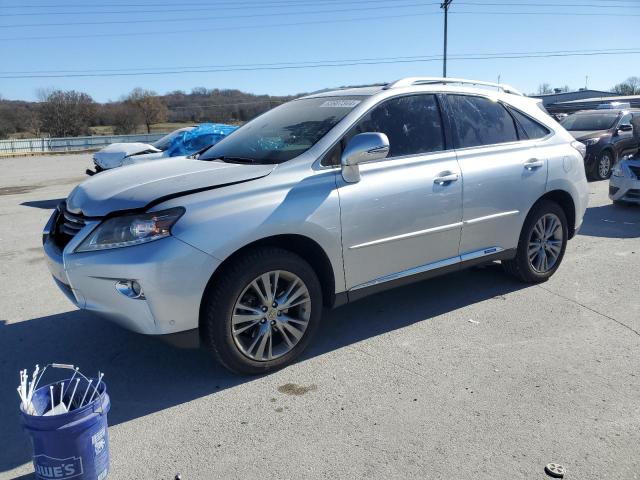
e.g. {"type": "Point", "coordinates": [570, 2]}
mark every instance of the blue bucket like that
{"type": "Point", "coordinates": [70, 445]}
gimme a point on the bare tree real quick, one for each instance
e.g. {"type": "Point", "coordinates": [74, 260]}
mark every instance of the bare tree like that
{"type": "Point", "coordinates": [149, 105]}
{"type": "Point", "coordinates": [631, 86]}
{"type": "Point", "coordinates": [544, 88]}
{"type": "Point", "coordinates": [125, 118]}
{"type": "Point", "coordinates": [67, 113]}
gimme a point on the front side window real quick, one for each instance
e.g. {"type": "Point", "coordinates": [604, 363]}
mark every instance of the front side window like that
{"type": "Point", "coordinates": [412, 123]}
{"type": "Point", "coordinates": [165, 142]}
{"type": "Point", "coordinates": [284, 132]}
{"type": "Point", "coordinates": [626, 120]}
{"type": "Point", "coordinates": [481, 121]}
{"type": "Point", "coordinates": [529, 127]}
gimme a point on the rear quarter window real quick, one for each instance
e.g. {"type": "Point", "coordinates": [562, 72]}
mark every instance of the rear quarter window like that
{"type": "Point", "coordinates": [528, 126]}
{"type": "Point", "coordinates": [480, 121]}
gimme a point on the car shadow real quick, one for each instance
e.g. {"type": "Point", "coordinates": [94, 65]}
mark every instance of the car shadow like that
{"type": "Point", "coordinates": [144, 375]}
{"type": "Point", "coordinates": [44, 204]}
{"type": "Point", "coordinates": [611, 221]}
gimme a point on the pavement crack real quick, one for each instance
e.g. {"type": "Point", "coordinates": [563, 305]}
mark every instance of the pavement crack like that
{"type": "Point", "coordinates": [622, 324]}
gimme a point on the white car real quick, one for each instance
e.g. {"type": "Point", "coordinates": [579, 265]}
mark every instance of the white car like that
{"type": "Point", "coordinates": [116, 154]}
{"type": "Point", "coordinates": [180, 143]}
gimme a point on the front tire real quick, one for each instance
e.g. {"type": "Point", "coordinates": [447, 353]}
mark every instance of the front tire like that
{"type": "Point", "coordinates": [262, 311]}
{"type": "Point", "coordinates": [543, 241]}
{"type": "Point", "coordinates": [603, 166]}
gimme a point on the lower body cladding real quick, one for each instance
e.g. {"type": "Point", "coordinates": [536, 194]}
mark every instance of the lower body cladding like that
{"type": "Point", "coordinates": [624, 189]}
{"type": "Point", "coordinates": [171, 277]}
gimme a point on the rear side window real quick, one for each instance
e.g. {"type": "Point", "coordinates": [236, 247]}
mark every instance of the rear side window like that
{"type": "Point", "coordinates": [529, 127]}
{"type": "Point", "coordinates": [412, 123]}
{"type": "Point", "coordinates": [480, 121]}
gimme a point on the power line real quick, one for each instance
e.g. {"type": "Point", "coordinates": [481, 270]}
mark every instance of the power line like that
{"type": "Point", "coordinates": [311, 62]}
{"type": "Point", "coordinates": [196, 68]}
{"type": "Point", "coordinates": [217, 17]}
{"type": "Point", "coordinates": [334, 64]}
{"type": "Point", "coordinates": [216, 29]}
{"type": "Point", "coordinates": [235, 6]}
{"type": "Point", "coordinates": [281, 5]}
{"type": "Point", "coordinates": [289, 24]}
{"type": "Point", "coordinates": [243, 4]}
{"type": "Point", "coordinates": [563, 14]}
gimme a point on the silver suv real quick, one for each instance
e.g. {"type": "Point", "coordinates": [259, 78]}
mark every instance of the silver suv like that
{"type": "Point", "coordinates": [319, 202]}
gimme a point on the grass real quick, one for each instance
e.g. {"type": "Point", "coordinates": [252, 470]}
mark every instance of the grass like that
{"type": "Point", "coordinates": [155, 128]}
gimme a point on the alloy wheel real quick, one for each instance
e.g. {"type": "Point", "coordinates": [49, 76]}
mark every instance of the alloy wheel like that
{"type": "Point", "coordinates": [604, 165]}
{"type": "Point", "coordinates": [271, 315]}
{"type": "Point", "coordinates": [545, 243]}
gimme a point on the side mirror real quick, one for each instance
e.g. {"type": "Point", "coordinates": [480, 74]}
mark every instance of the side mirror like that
{"type": "Point", "coordinates": [364, 147]}
{"type": "Point", "coordinates": [625, 127]}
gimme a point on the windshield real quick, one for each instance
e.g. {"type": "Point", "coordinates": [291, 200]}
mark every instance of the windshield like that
{"type": "Point", "coordinates": [284, 132]}
{"type": "Point", "coordinates": [589, 121]}
{"type": "Point", "coordinates": [165, 142]}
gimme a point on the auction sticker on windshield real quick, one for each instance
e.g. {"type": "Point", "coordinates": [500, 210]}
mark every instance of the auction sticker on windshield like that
{"type": "Point", "coordinates": [340, 103]}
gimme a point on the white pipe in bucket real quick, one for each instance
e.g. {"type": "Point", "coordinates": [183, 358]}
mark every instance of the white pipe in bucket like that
{"type": "Point", "coordinates": [95, 389]}
{"type": "Point", "coordinates": [85, 393]}
{"type": "Point", "coordinates": [73, 393]}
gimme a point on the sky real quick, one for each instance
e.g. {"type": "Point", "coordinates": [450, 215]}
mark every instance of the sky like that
{"type": "Point", "coordinates": [259, 46]}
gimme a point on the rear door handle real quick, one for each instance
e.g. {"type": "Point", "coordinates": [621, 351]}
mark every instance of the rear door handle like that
{"type": "Point", "coordinates": [446, 178]}
{"type": "Point", "coordinates": [533, 163]}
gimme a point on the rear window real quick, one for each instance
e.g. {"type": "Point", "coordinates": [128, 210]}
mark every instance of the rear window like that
{"type": "Point", "coordinates": [480, 121]}
{"type": "Point", "coordinates": [529, 127]}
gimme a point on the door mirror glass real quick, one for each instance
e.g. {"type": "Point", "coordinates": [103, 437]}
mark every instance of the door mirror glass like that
{"type": "Point", "coordinates": [364, 147]}
{"type": "Point", "coordinates": [625, 127]}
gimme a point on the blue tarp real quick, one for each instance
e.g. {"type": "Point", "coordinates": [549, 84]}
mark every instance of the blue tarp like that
{"type": "Point", "coordinates": [204, 135]}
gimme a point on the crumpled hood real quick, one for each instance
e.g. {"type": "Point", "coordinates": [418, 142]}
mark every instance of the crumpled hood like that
{"type": "Point", "coordinates": [138, 185]}
{"type": "Point", "coordinates": [112, 155]}
{"type": "Point", "coordinates": [585, 134]}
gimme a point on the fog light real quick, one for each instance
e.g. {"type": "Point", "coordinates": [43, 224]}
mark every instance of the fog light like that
{"type": "Point", "coordinates": [130, 288]}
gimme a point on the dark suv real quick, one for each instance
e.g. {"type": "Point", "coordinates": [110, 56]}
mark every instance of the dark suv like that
{"type": "Point", "coordinates": [609, 136]}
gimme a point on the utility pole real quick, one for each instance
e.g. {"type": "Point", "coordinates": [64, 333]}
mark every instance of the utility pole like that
{"type": "Point", "coordinates": [445, 5]}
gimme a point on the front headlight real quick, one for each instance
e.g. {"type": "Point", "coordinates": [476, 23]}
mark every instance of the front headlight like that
{"type": "Point", "coordinates": [618, 171]}
{"type": "Point", "coordinates": [591, 141]}
{"type": "Point", "coordinates": [130, 230]}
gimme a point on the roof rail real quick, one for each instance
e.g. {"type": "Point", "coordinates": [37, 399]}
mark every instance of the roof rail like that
{"type": "Point", "coordinates": [410, 81]}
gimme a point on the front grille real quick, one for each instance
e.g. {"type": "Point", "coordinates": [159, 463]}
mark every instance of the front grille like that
{"type": "Point", "coordinates": [67, 226]}
{"type": "Point", "coordinates": [635, 171]}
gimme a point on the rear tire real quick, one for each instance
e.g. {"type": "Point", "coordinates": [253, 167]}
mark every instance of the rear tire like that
{"type": "Point", "coordinates": [244, 322]}
{"type": "Point", "coordinates": [542, 244]}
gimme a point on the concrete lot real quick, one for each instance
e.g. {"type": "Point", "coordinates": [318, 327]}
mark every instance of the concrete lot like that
{"type": "Point", "coordinates": [469, 376]}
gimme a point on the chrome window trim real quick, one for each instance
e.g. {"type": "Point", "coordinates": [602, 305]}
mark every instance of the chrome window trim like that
{"type": "Point", "coordinates": [317, 164]}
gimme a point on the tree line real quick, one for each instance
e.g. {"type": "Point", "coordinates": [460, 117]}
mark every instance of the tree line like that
{"type": "Point", "coordinates": [631, 86]}
{"type": "Point", "coordinates": [71, 113]}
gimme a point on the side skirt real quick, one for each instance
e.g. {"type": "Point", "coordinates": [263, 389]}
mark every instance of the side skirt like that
{"type": "Point", "coordinates": [466, 262]}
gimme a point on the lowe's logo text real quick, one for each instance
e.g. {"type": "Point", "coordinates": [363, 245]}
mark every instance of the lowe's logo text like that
{"type": "Point", "coordinates": [54, 468]}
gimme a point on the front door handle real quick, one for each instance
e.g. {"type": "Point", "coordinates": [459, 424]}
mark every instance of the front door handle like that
{"type": "Point", "coordinates": [533, 163]}
{"type": "Point", "coordinates": [446, 178]}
